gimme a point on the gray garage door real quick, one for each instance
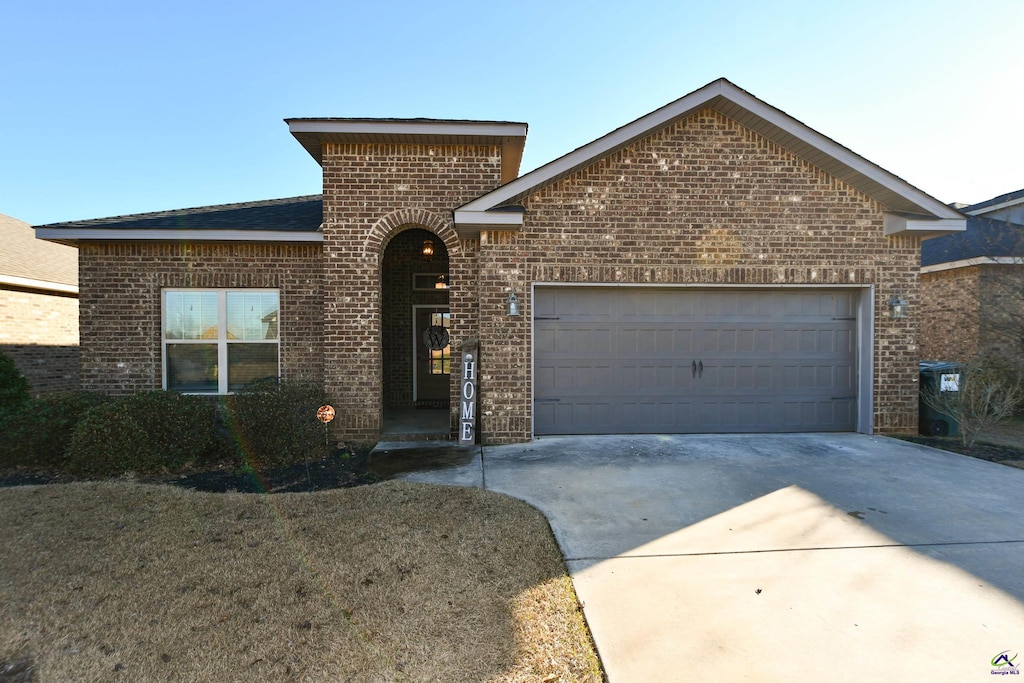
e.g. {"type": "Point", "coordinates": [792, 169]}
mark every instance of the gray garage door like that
{"type": "Point", "coordinates": [619, 360]}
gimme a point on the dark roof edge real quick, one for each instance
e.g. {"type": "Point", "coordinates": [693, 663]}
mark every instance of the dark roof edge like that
{"type": "Point", "coordinates": [187, 211]}
{"type": "Point", "coordinates": [1015, 197]}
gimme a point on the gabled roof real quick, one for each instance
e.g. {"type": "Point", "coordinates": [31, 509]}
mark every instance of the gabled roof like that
{"type": "Point", "coordinates": [29, 263]}
{"type": "Point", "coordinates": [312, 134]}
{"type": "Point", "coordinates": [911, 210]}
{"type": "Point", "coordinates": [1003, 201]}
{"type": "Point", "coordinates": [986, 240]}
{"type": "Point", "coordinates": [294, 219]}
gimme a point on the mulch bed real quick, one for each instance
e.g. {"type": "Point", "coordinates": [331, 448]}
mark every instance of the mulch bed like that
{"type": "Point", "coordinates": [347, 467]}
{"type": "Point", "coordinates": [342, 469]}
{"type": "Point", "coordinates": [1005, 455]}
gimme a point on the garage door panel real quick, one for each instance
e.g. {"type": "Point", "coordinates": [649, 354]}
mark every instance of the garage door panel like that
{"type": "Point", "coordinates": [769, 360]}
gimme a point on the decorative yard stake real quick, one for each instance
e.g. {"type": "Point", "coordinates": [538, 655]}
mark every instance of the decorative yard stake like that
{"type": "Point", "coordinates": [325, 414]}
{"type": "Point", "coordinates": [467, 392]}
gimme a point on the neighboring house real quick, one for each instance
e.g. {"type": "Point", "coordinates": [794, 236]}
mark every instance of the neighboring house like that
{"type": "Point", "coordinates": [39, 307]}
{"type": "Point", "coordinates": [714, 266]}
{"type": "Point", "coordinates": [972, 285]}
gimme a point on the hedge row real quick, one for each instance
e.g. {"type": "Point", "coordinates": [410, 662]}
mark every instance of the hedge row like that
{"type": "Point", "coordinates": [88, 434]}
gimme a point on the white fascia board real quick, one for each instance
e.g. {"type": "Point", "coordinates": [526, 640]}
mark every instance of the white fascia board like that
{"type": "Point", "coordinates": [854, 161]}
{"type": "Point", "coordinates": [904, 225]}
{"type": "Point", "coordinates": [976, 261]}
{"type": "Point", "coordinates": [996, 207]}
{"type": "Point", "coordinates": [502, 220]}
{"type": "Point", "coordinates": [29, 283]}
{"type": "Point", "coordinates": [409, 128]}
{"type": "Point", "coordinates": [661, 117]}
{"type": "Point", "coordinates": [597, 148]}
{"type": "Point", "coordinates": [115, 235]}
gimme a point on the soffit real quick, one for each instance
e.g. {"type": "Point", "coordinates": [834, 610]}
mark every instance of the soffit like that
{"type": "Point", "coordinates": [313, 134]}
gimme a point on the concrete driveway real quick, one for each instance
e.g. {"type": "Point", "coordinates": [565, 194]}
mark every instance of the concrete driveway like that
{"type": "Point", "coordinates": [778, 557]}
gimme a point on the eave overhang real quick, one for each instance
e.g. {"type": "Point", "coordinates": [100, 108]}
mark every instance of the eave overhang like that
{"type": "Point", "coordinates": [975, 261]}
{"type": "Point", "coordinates": [925, 228]}
{"type": "Point", "coordinates": [312, 134]}
{"type": "Point", "coordinates": [892, 193]}
{"type": "Point", "coordinates": [39, 285]}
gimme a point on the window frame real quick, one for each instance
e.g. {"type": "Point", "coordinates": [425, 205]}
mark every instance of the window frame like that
{"type": "Point", "coordinates": [222, 340]}
{"type": "Point", "coordinates": [428, 282]}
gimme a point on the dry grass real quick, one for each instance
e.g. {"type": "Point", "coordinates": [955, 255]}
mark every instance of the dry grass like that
{"type": "Point", "coordinates": [391, 582]}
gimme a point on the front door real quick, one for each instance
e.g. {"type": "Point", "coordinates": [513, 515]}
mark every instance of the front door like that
{"type": "Point", "coordinates": [432, 356]}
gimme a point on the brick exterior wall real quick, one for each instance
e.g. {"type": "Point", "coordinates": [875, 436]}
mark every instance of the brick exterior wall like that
{"type": "Point", "coordinates": [39, 331]}
{"type": "Point", "coordinates": [703, 201]}
{"type": "Point", "coordinates": [973, 311]}
{"type": "Point", "coordinates": [372, 193]}
{"type": "Point", "coordinates": [121, 288]}
{"type": "Point", "coordinates": [949, 314]}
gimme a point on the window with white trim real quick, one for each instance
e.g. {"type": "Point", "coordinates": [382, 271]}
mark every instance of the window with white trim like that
{"type": "Point", "coordinates": [216, 341]}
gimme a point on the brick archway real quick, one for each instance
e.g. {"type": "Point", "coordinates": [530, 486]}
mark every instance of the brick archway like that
{"type": "Point", "coordinates": [398, 221]}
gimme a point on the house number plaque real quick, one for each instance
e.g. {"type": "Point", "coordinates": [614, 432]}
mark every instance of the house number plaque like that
{"type": "Point", "coordinates": [467, 393]}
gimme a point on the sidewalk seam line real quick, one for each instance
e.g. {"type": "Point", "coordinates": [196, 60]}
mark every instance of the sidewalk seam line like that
{"type": "Point", "coordinates": [792, 550]}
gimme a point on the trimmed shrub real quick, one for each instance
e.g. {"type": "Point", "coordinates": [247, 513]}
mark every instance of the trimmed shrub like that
{"type": "Point", "coordinates": [14, 388]}
{"type": "Point", "coordinates": [276, 423]}
{"type": "Point", "coordinates": [108, 441]}
{"type": "Point", "coordinates": [155, 431]}
{"type": "Point", "coordinates": [37, 434]}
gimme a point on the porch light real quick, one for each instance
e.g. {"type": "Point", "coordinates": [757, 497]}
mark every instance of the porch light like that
{"type": "Point", "coordinates": [428, 250]}
{"type": "Point", "coordinates": [512, 302]}
{"type": "Point", "coordinates": [897, 306]}
{"type": "Point", "coordinates": [442, 282]}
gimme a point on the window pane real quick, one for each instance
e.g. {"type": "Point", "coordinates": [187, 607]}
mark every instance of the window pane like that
{"type": "Point", "coordinates": [252, 315]}
{"type": "Point", "coordinates": [250, 362]}
{"type": "Point", "coordinates": [173, 316]}
{"type": "Point", "coordinates": [440, 360]}
{"type": "Point", "coordinates": [192, 368]}
{"type": "Point", "coordinates": [190, 315]}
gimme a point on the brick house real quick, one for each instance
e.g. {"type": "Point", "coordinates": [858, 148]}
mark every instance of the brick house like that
{"type": "Point", "coordinates": [972, 284]}
{"type": "Point", "coordinates": [714, 266]}
{"type": "Point", "coordinates": [38, 307]}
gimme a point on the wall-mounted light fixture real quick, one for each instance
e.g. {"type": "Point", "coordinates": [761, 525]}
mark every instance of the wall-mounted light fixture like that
{"type": "Point", "coordinates": [428, 250]}
{"type": "Point", "coordinates": [512, 303]}
{"type": "Point", "coordinates": [441, 282]}
{"type": "Point", "coordinates": [897, 306]}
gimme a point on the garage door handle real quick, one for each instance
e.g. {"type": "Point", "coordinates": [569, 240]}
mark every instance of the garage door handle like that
{"type": "Point", "coordinates": [693, 368]}
{"type": "Point", "coordinates": [700, 368]}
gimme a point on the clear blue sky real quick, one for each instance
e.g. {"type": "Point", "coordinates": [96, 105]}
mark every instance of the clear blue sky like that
{"type": "Point", "coordinates": [111, 107]}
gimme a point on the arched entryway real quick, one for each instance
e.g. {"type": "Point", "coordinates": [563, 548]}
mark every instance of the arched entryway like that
{"type": "Point", "coordinates": [415, 318]}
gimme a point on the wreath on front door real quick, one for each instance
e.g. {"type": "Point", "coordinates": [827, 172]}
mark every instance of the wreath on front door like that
{"type": "Point", "coordinates": [435, 337]}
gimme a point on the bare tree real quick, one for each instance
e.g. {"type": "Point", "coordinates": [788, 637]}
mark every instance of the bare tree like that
{"type": "Point", "coordinates": [1001, 309]}
{"type": "Point", "coordinates": [983, 394]}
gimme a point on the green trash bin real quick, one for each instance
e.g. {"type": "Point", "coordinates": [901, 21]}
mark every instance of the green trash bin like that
{"type": "Point", "coordinates": [944, 376]}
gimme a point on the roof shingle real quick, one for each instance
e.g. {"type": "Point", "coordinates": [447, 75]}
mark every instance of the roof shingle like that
{"type": "Point", "coordinates": [292, 214]}
{"type": "Point", "coordinates": [23, 256]}
{"type": "Point", "coordinates": [984, 238]}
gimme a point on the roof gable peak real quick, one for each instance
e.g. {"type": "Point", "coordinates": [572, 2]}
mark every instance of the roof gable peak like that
{"type": "Point", "coordinates": [893, 193]}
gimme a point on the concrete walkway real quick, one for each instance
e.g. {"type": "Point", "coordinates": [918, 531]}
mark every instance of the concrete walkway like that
{"type": "Point", "coordinates": [778, 558]}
